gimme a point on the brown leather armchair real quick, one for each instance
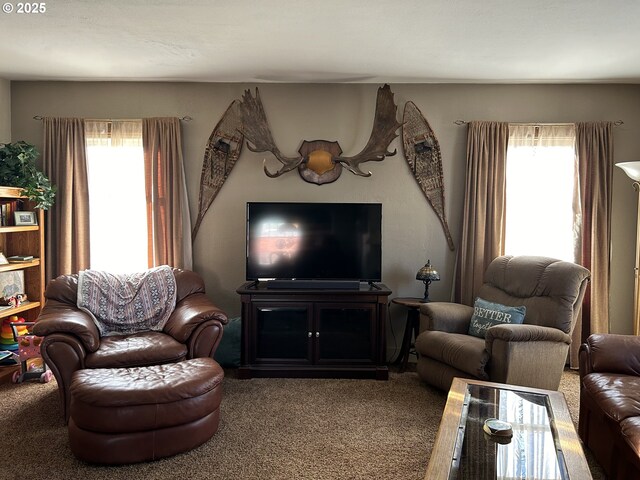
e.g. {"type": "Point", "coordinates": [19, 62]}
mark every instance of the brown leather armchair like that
{"type": "Point", "coordinates": [610, 402]}
{"type": "Point", "coordinates": [531, 354]}
{"type": "Point", "coordinates": [72, 342]}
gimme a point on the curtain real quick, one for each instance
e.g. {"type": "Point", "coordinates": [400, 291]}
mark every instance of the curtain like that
{"type": "Point", "coordinates": [64, 162]}
{"type": "Point", "coordinates": [484, 206]}
{"type": "Point", "coordinates": [113, 133]}
{"type": "Point", "coordinates": [168, 209]}
{"type": "Point", "coordinates": [595, 164]}
{"type": "Point", "coordinates": [542, 135]}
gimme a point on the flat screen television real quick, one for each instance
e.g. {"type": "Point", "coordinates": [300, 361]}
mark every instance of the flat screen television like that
{"type": "Point", "coordinates": [314, 241]}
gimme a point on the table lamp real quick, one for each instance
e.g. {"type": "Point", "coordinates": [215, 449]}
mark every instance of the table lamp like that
{"type": "Point", "coordinates": [427, 274]}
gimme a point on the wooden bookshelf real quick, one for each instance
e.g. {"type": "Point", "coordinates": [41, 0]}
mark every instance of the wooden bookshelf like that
{"type": "Point", "coordinates": [24, 240]}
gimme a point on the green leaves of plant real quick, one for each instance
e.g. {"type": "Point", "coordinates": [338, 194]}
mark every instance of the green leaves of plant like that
{"type": "Point", "coordinates": [18, 169]}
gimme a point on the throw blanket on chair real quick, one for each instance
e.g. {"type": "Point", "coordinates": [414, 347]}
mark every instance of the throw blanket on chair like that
{"type": "Point", "coordinates": [121, 304]}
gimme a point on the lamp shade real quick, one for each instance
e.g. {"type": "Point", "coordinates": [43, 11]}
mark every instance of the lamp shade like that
{"type": "Point", "coordinates": [632, 169]}
{"type": "Point", "coordinates": [427, 273]}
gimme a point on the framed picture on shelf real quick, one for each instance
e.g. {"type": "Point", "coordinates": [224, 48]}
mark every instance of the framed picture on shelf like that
{"type": "Point", "coordinates": [26, 218]}
{"type": "Point", "coordinates": [11, 283]}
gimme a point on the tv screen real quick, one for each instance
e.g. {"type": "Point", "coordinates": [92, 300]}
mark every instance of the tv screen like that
{"type": "Point", "coordinates": [314, 241]}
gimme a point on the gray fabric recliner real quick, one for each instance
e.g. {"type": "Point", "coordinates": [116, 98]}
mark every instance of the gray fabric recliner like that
{"type": "Point", "coordinates": [532, 354]}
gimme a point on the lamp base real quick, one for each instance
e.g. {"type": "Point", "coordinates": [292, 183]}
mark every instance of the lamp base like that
{"type": "Point", "coordinates": [425, 299]}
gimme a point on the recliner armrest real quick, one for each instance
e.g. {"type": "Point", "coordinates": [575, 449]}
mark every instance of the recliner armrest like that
{"type": "Point", "coordinates": [513, 332]}
{"type": "Point", "coordinates": [610, 353]}
{"type": "Point", "coordinates": [527, 355]}
{"type": "Point", "coordinates": [190, 313]}
{"type": "Point", "coordinates": [445, 317]}
{"type": "Point", "coordinates": [61, 317]}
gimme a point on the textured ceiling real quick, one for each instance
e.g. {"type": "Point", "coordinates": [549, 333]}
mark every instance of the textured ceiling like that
{"type": "Point", "coordinates": [371, 41]}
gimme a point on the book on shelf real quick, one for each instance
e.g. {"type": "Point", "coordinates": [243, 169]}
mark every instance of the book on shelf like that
{"type": "Point", "coordinates": [7, 209]}
{"type": "Point", "coordinates": [20, 258]}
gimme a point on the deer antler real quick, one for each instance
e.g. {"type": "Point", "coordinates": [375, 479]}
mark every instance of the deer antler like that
{"type": "Point", "coordinates": [382, 134]}
{"type": "Point", "coordinates": [256, 130]}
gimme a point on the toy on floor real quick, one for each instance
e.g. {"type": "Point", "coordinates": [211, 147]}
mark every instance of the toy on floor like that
{"type": "Point", "coordinates": [7, 339]}
{"type": "Point", "coordinates": [31, 362]}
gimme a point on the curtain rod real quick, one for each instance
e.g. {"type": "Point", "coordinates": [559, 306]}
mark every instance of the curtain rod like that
{"type": "Point", "coordinates": [186, 118]}
{"type": "Point", "coordinates": [617, 123]}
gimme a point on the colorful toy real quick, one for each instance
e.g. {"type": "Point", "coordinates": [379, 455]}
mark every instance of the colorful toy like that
{"type": "Point", "coordinates": [28, 349]}
{"type": "Point", "coordinates": [7, 339]}
{"type": "Point", "coordinates": [13, 300]}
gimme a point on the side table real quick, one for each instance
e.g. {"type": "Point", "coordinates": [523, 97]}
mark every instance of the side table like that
{"type": "Point", "coordinates": [411, 329]}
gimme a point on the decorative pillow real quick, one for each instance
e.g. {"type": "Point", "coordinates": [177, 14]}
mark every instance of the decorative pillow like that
{"type": "Point", "coordinates": [487, 314]}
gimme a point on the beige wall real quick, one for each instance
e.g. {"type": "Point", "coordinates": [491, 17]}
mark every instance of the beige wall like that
{"type": "Point", "coordinates": [5, 111]}
{"type": "Point", "coordinates": [344, 112]}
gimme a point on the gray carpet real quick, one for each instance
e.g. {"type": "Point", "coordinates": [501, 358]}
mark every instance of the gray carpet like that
{"type": "Point", "coordinates": [270, 429]}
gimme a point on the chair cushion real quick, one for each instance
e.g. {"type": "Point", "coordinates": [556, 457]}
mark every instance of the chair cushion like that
{"type": "Point", "coordinates": [487, 314]}
{"type": "Point", "coordinates": [615, 395]}
{"type": "Point", "coordinates": [118, 400]}
{"type": "Point", "coordinates": [139, 349]}
{"type": "Point", "coordinates": [463, 352]}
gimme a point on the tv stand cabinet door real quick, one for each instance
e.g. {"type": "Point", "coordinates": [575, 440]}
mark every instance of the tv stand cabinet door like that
{"type": "Point", "coordinates": [345, 334]}
{"type": "Point", "coordinates": [281, 333]}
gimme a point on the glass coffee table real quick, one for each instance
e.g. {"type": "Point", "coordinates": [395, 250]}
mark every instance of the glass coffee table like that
{"type": "Point", "coordinates": [544, 443]}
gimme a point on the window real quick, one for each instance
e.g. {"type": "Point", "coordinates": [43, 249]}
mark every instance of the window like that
{"type": "Point", "coordinates": [541, 195]}
{"type": "Point", "coordinates": [117, 199]}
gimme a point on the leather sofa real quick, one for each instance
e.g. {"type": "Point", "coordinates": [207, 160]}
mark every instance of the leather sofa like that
{"type": "Point", "coordinates": [72, 341]}
{"type": "Point", "coordinates": [609, 423]}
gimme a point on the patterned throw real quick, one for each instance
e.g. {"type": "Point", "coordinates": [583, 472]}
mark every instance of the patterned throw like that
{"type": "Point", "coordinates": [122, 304]}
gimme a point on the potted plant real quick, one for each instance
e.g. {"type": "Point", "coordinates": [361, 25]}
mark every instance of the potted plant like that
{"type": "Point", "coordinates": [18, 169]}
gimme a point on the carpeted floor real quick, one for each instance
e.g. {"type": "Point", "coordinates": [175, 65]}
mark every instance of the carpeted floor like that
{"type": "Point", "coordinates": [270, 429]}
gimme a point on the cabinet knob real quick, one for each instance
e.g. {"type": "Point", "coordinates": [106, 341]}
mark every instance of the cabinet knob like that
{"type": "Point", "coordinates": [309, 334]}
{"type": "Point", "coordinates": [317, 334]}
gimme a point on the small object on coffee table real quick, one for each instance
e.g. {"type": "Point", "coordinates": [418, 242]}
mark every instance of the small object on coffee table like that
{"type": "Point", "coordinates": [497, 428]}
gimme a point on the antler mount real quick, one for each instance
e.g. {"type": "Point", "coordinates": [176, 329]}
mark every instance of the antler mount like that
{"type": "Point", "coordinates": [320, 161]}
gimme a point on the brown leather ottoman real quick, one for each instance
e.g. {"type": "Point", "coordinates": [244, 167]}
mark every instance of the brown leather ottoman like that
{"type": "Point", "coordinates": [127, 415]}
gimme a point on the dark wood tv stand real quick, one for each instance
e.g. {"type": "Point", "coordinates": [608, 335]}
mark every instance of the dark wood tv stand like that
{"type": "Point", "coordinates": [313, 332]}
